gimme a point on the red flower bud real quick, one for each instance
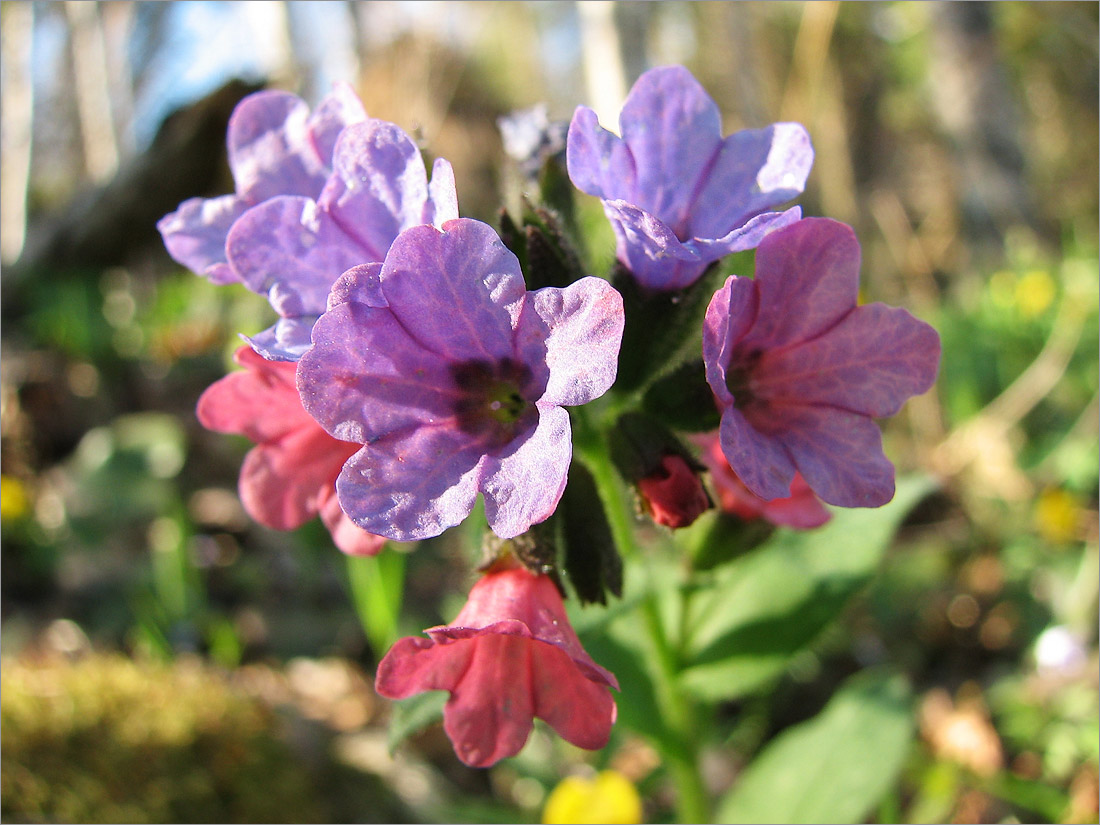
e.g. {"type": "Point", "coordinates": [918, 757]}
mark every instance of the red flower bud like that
{"type": "Point", "coordinates": [672, 494]}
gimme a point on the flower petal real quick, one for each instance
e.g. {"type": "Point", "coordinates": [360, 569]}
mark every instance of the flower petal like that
{"type": "Point", "coordinates": [598, 161]}
{"type": "Point", "coordinates": [288, 248]}
{"type": "Point", "coordinates": [442, 196]}
{"type": "Point", "coordinates": [808, 277]}
{"type": "Point", "coordinates": [195, 233]}
{"type": "Point", "coordinates": [523, 487]}
{"type": "Point", "coordinates": [365, 377]}
{"type": "Point", "coordinates": [745, 236]}
{"type": "Point", "coordinates": [260, 401]}
{"type": "Point", "coordinates": [458, 292]}
{"type": "Point", "coordinates": [346, 534]}
{"type": "Point", "coordinates": [378, 185]}
{"type": "Point", "coordinates": [415, 664]}
{"type": "Point", "coordinates": [286, 340]}
{"type": "Point", "coordinates": [579, 709]}
{"type": "Point", "coordinates": [673, 129]}
{"type": "Point", "coordinates": [412, 485]}
{"type": "Point", "coordinates": [269, 148]}
{"type": "Point", "coordinates": [758, 459]}
{"type": "Point", "coordinates": [729, 316]}
{"type": "Point", "coordinates": [339, 108]}
{"type": "Point", "coordinates": [839, 453]}
{"type": "Point", "coordinates": [869, 363]}
{"type": "Point", "coordinates": [577, 332]}
{"type": "Point", "coordinates": [360, 284]}
{"type": "Point", "coordinates": [658, 259]}
{"type": "Point", "coordinates": [755, 170]}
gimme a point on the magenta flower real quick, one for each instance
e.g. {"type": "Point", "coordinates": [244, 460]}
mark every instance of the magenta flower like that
{"type": "Point", "coordinates": [800, 372]}
{"type": "Point", "coordinates": [801, 509]}
{"type": "Point", "coordinates": [679, 196]}
{"type": "Point", "coordinates": [292, 249]}
{"type": "Point", "coordinates": [290, 475]}
{"type": "Point", "coordinates": [509, 656]}
{"type": "Point", "coordinates": [276, 147]}
{"type": "Point", "coordinates": [453, 377]}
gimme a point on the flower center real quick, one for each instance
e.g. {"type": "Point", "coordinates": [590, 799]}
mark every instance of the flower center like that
{"type": "Point", "coordinates": [491, 403]}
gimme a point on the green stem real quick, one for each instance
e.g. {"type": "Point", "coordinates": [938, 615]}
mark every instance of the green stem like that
{"type": "Point", "coordinates": [680, 746]}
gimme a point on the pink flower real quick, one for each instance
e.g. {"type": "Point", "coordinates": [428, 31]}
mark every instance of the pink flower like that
{"type": "Point", "coordinates": [510, 655]}
{"type": "Point", "coordinates": [672, 494]}
{"type": "Point", "coordinates": [290, 476]}
{"type": "Point", "coordinates": [801, 509]}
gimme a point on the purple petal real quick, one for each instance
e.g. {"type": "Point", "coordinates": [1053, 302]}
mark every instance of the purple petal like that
{"type": "Point", "coordinates": [286, 340]}
{"type": "Point", "coordinates": [598, 161]}
{"type": "Point", "coordinates": [378, 185]}
{"type": "Point", "coordinates": [808, 277]}
{"type": "Point", "coordinates": [458, 292]}
{"type": "Point", "coordinates": [656, 257]}
{"type": "Point", "coordinates": [758, 459]}
{"type": "Point", "coordinates": [339, 108]}
{"type": "Point", "coordinates": [360, 284]}
{"type": "Point", "coordinates": [365, 377]}
{"type": "Point", "coordinates": [195, 233]}
{"type": "Point", "coordinates": [730, 314]}
{"type": "Point", "coordinates": [576, 332]}
{"type": "Point", "coordinates": [412, 485]}
{"type": "Point", "coordinates": [673, 129]}
{"type": "Point", "coordinates": [443, 197]}
{"type": "Point", "coordinates": [755, 170]}
{"type": "Point", "coordinates": [869, 363]}
{"type": "Point", "coordinates": [289, 246]}
{"type": "Point", "coordinates": [746, 236]}
{"type": "Point", "coordinates": [524, 487]}
{"type": "Point", "coordinates": [267, 134]}
{"type": "Point", "coordinates": [839, 453]}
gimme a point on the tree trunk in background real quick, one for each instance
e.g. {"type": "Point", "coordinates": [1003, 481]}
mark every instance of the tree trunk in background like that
{"type": "Point", "coordinates": [16, 30]}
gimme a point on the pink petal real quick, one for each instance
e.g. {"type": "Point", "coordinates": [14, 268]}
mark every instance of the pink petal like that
{"type": "Point", "coordinates": [869, 363]}
{"type": "Point", "coordinates": [579, 709]}
{"type": "Point", "coordinates": [729, 316]}
{"type": "Point", "coordinates": [346, 535]}
{"type": "Point", "coordinates": [808, 277]}
{"type": "Point", "coordinates": [259, 402]}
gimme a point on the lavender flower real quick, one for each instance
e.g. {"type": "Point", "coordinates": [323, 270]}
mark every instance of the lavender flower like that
{"type": "Point", "coordinates": [679, 196]}
{"type": "Point", "coordinates": [453, 377]}
{"type": "Point", "coordinates": [276, 147]}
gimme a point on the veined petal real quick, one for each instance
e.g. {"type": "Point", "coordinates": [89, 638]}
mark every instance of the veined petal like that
{"type": "Point", "coordinates": [754, 170]}
{"type": "Point", "coordinates": [523, 487]}
{"type": "Point", "coordinates": [576, 332]}
{"type": "Point", "coordinates": [598, 161]}
{"type": "Point", "coordinates": [759, 460]}
{"type": "Point", "coordinates": [579, 709]}
{"type": "Point", "coordinates": [808, 277]}
{"type": "Point", "coordinates": [673, 129]}
{"type": "Point", "coordinates": [839, 453]}
{"type": "Point", "coordinates": [288, 245]}
{"type": "Point", "coordinates": [658, 259]}
{"type": "Point", "coordinates": [365, 377]}
{"type": "Point", "coordinates": [458, 292]}
{"type": "Point", "coordinates": [195, 233]}
{"type": "Point", "coordinates": [729, 316]}
{"type": "Point", "coordinates": [869, 363]}
{"type": "Point", "coordinates": [266, 135]}
{"type": "Point", "coordinates": [411, 485]}
{"type": "Point", "coordinates": [378, 186]}
{"type": "Point", "coordinates": [746, 236]}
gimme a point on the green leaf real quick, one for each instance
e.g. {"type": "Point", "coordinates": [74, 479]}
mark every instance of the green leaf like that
{"type": "Point", "coordinates": [376, 586]}
{"type": "Point", "coordinates": [683, 399]}
{"type": "Point", "coordinates": [834, 767]}
{"type": "Point", "coordinates": [754, 614]}
{"type": "Point", "coordinates": [412, 715]}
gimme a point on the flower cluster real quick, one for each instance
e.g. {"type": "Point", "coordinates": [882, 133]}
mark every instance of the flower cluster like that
{"type": "Point", "coordinates": [410, 369]}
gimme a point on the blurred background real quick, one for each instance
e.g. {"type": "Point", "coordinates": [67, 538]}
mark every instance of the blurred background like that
{"type": "Point", "coordinates": [167, 659]}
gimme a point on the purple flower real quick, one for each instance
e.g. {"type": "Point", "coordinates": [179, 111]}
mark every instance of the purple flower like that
{"type": "Point", "coordinates": [679, 196]}
{"type": "Point", "coordinates": [276, 147]}
{"type": "Point", "coordinates": [292, 249]}
{"type": "Point", "coordinates": [453, 377]}
{"type": "Point", "coordinates": [800, 372]}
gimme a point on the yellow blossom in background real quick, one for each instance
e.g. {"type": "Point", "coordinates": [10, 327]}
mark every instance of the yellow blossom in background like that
{"type": "Point", "coordinates": [1057, 515]}
{"type": "Point", "coordinates": [13, 498]}
{"type": "Point", "coordinates": [1035, 293]}
{"type": "Point", "coordinates": [609, 797]}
